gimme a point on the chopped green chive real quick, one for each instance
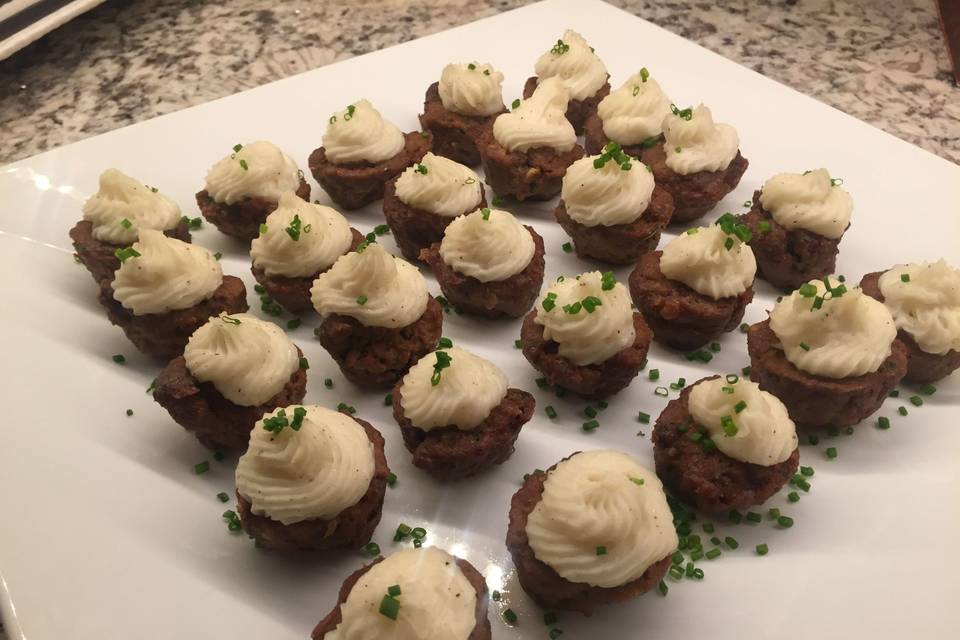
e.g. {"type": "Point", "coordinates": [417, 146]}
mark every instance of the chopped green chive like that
{"type": "Point", "coordinates": [391, 479]}
{"type": "Point", "coordinates": [731, 542]}
{"type": "Point", "coordinates": [444, 343]}
{"type": "Point", "coordinates": [388, 400]}
{"type": "Point", "coordinates": [551, 412]}
{"type": "Point", "coordinates": [362, 300]}
{"type": "Point", "coordinates": [509, 616]}
{"type": "Point", "coordinates": [518, 344]}
{"type": "Point", "coordinates": [927, 389]}
{"type": "Point", "coordinates": [304, 364]}
{"type": "Point", "coordinates": [805, 346]}
{"type": "Point", "coordinates": [663, 588]}
{"type": "Point", "coordinates": [371, 549]}
{"type": "Point", "coordinates": [567, 247]}
{"type": "Point", "coordinates": [590, 412]}
{"type": "Point", "coordinates": [753, 516]}
{"type": "Point", "coordinates": [390, 607]}
{"type": "Point", "coordinates": [762, 549]}
{"type": "Point", "coordinates": [495, 596]}
{"type": "Point", "coordinates": [793, 496]}
{"type": "Point", "coordinates": [223, 496]}
{"type": "Point", "coordinates": [328, 383]}
{"type": "Point", "coordinates": [740, 406]}
{"type": "Point", "coordinates": [785, 521]}
{"type": "Point", "coordinates": [294, 323]}
{"type": "Point", "coordinates": [601, 550]}
{"type": "Point", "coordinates": [643, 417]}
{"type": "Point", "coordinates": [774, 513]}
{"type": "Point", "coordinates": [807, 471]}
{"type": "Point", "coordinates": [637, 481]}
{"type": "Point", "coordinates": [119, 358]}
{"type": "Point", "coordinates": [654, 374]}
{"type": "Point", "coordinates": [129, 412]}
{"type": "Point", "coordinates": [883, 422]}
{"type": "Point", "coordinates": [904, 277]}
{"type": "Point", "coordinates": [549, 618]}
{"type": "Point", "coordinates": [916, 401]}
{"type": "Point", "coordinates": [713, 554]}
{"type": "Point", "coordinates": [831, 452]}
{"type": "Point", "coordinates": [661, 391]}
{"type": "Point", "coordinates": [515, 103]}
{"type": "Point", "coordinates": [201, 467]}
{"type": "Point", "coordinates": [590, 426]}
{"type": "Point", "coordinates": [902, 411]}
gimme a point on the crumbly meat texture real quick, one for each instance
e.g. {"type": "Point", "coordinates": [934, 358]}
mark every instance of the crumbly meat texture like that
{"type": "Point", "coordinates": [100, 257]}
{"type": "Point", "coordinates": [548, 588]}
{"type": "Point", "coordinates": [620, 243]}
{"type": "Point", "coordinates": [697, 193]}
{"type": "Point", "coordinates": [679, 316]}
{"type": "Point", "coordinates": [217, 423]}
{"type": "Point", "coordinates": [242, 219]}
{"type": "Point", "coordinates": [377, 357]}
{"type": "Point", "coordinates": [594, 139]}
{"type": "Point", "coordinates": [815, 401]}
{"type": "Point", "coordinates": [592, 381]}
{"type": "Point", "coordinates": [447, 453]}
{"type": "Point", "coordinates": [454, 135]}
{"type": "Point", "coordinates": [355, 184]}
{"type": "Point", "coordinates": [164, 335]}
{"type": "Point", "coordinates": [533, 175]}
{"type": "Point", "coordinates": [577, 110]}
{"type": "Point", "coordinates": [510, 298]}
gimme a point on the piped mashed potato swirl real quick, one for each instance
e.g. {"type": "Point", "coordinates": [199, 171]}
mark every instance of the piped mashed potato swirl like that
{"type": "Point", "coordinates": [440, 186]}
{"type": "Point", "coordinates": [539, 121]}
{"type": "Point", "coordinates": [701, 260]}
{"type": "Point", "coordinates": [475, 92]}
{"type": "Point", "coordinates": [256, 170]}
{"type": "Point", "coordinates": [635, 111]}
{"type": "Point", "coordinates": [926, 305]}
{"type": "Point", "coordinates": [812, 201]}
{"type": "Point", "coordinates": [360, 134]}
{"type": "Point", "coordinates": [490, 249]}
{"type": "Point", "coordinates": [698, 144]}
{"type": "Point", "coordinates": [574, 62]}
{"type": "Point", "coordinates": [608, 195]}
{"type": "Point", "coordinates": [122, 207]}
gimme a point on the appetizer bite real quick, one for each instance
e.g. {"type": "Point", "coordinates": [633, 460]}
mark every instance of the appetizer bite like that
{"type": "Point", "coordinates": [244, 187]}
{"type": "Point", "coordinates": [924, 299]}
{"type": "Point", "coordinates": [583, 336]}
{"type": "Point", "coordinates": [611, 207]}
{"type": "Point", "coordinates": [361, 152]}
{"type": "Point", "coordinates": [583, 73]}
{"type": "Point", "coordinates": [593, 529]}
{"type": "Point", "coordinates": [797, 222]}
{"type": "Point", "coordinates": [234, 369]}
{"type": "Point", "coordinates": [526, 152]}
{"type": "Point", "coordinates": [164, 290]}
{"type": "Point", "coordinates": [378, 317]}
{"type": "Point", "coordinates": [725, 444]}
{"type": "Point", "coordinates": [488, 264]}
{"type": "Point", "coordinates": [699, 161]}
{"type": "Point", "coordinates": [423, 593]}
{"type": "Point", "coordinates": [311, 478]}
{"type": "Point", "coordinates": [632, 116]}
{"type": "Point", "coordinates": [459, 107]}
{"type": "Point", "coordinates": [113, 218]}
{"type": "Point", "coordinates": [698, 287]}
{"type": "Point", "coordinates": [425, 198]}
{"type": "Point", "coordinates": [831, 354]}
{"type": "Point", "coordinates": [298, 242]}
{"type": "Point", "coordinates": [457, 415]}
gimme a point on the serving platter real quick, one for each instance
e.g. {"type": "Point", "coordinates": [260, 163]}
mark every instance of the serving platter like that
{"type": "Point", "coordinates": [108, 531]}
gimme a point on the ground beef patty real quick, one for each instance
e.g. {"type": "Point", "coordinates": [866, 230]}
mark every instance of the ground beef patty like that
{"type": "Point", "coordinates": [787, 258]}
{"type": "Point", "coordinates": [536, 174]}
{"type": "Point", "coordinates": [480, 632]}
{"type": "Point", "coordinates": [510, 298]}
{"type": "Point", "coordinates": [447, 453]}
{"type": "Point", "coordinates": [697, 193]}
{"type": "Point", "coordinates": [922, 367]}
{"type": "Point", "coordinates": [711, 481]}
{"type": "Point", "coordinates": [415, 229]}
{"type": "Point", "coordinates": [592, 381]}
{"type": "Point", "coordinates": [577, 110]}
{"type": "Point", "coordinates": [100, 257]}
{"type": "Point", "coordinates": [377, 357]}
{"type": "Point", "coordinates": [454, 135]}
{"type": "Point", "coordinates": [546, 586]}
{"type": "Point", "coordinates": [293, 293]}
{"type": "Point", "coordinates": [620, 243]}
{"type": "Point", "coordinates": [218, 423]}
{"type": "Point", "coordinates": [679, 316]}
{"type": "Point", "coordinates": [242, 219]}
{"type": "Point", "coordinates": [594, 139]}
{"type": "Point", "coordinates": [164, 335]}
{"type": "Point", "coordinates": [355, 184]}
{"type": "Point", "coordinates": [350, 529]}
{"type": "Point", "coordinates": [815, 401]}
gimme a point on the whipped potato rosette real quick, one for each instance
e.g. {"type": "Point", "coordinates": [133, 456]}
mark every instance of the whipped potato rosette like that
{"type": "Point", "coordinates": [632, 116]}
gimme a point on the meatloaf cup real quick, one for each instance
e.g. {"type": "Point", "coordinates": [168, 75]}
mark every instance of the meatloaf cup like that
{"type": "Point", "coordinates": [631, 116]}
{"type": "Point", "coordinates": [575, 551]}
{"type": "Point", "coordinates": [234, 369]}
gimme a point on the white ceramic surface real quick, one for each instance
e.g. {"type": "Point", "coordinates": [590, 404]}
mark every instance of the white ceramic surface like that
{"type": "Point", "coordinates": [41, 27]}
{"type": "Point", "coordinates": [107, 532]}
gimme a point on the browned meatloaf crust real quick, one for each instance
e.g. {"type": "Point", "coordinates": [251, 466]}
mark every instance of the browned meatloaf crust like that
{"type": "Point", "coordinates": [815, 401]}
{"type": "Point", "coordinates": [454, 135]}
{"type": "Point", "coordinates": [548, 588]}
{"type": "Point", "coordinates": [218, 423]}
{"type": "Point", "coordinates": [447, 453]}
{"type": "Point", "coordinates": [534, 175]}
{"type": "Point", "coordinates": [350, 529]}
{"type": "Point", "coordinates": [510, 298]}
{"type": "Point", "coordinates": [355, 184]}
{"type": "Point", "coordinates": [592, 381]}
{"type": "Point", "coordinates": [710, 481]}
{"type": "Point", "coordinates": [480, 632]}
{"type": "Point", "coordinates": [294, 293]}
{"type": "Point", "coordinates": [697, 193]}
{"type": "Point", "coordinates": [415, 229]}
{"type": "Point", "coordinates": [787, 258]}
{"type": "Point", "coordinates": [164, 335]}
{"type": "Point", "coordinates": [620, 243]}
{"type": "Point", "coordinates": [679, 316]}
{"type": "Point", "coordinates": [922, 367]}
{"type": "Point", "coordinates": [577, 110]}
{"type": "Point", "coordinates": [242, 219]}
{"type": "Point", "coordinates": [99, 257]}
{"type": "Point", "coordinates": [376, 357]}
{"type": "Point", "coordinates": [594, 139]}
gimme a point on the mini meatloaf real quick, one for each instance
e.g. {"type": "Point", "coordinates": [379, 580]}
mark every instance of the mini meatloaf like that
{"type": "Point", "coordinates": [488, 264]}
{"type": "Point", "coordinates": [611, 207]}
{"type": "Point", "coordinates": [244, 187]}
{"type": "Point", "coordinates": [421, 592]}
{"type": "Point", "coordinates": [457, 415]}
{"type": "Point", "coordinates": [575, 552]}
{"type": "Point", "coordinates": [361, 152]}
{"type": "Point", "coordinates": [420, 202]}
{"type": "Point", "coordinates": [234, 369]}
{"type": "Point", "coordinates": [725, 444]}
{"type": "Point", "coordinates": [924, 299]}
{"type": "Point", "coordinates": [632, 116]}
{"type": "Point", "coordinates": [311, 479]}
